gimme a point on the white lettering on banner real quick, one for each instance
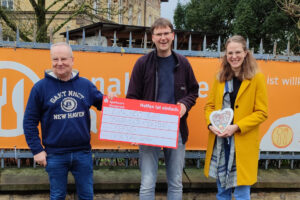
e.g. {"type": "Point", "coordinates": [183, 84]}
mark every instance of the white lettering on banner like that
{"type": "Point", "coordinates": [290, 81]}
{"type": "Point", "coordinates": [114, 84]}
{"type": "Point", "coordinates": [17, 96]}
{"type": "Point", "coordinates": [203, 87]}
{"type": "Point", "coordinates": [117, 86]}
{"type": "Point", "coordinates": [101, 83]}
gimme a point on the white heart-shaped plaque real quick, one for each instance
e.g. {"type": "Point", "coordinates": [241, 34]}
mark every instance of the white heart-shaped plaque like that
{"type": "Point", "coordinates": [220, 119]}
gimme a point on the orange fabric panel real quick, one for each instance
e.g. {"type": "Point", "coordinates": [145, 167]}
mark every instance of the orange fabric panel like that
{"type": "Point", "coordinates": [111, 72]}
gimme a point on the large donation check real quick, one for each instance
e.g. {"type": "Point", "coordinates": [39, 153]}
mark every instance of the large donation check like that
{"type": "Point", "coordinates": [143, 122]}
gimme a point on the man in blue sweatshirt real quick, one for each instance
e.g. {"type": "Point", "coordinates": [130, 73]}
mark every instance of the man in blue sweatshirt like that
{"type": "Point", "coordinates": [61, 103]}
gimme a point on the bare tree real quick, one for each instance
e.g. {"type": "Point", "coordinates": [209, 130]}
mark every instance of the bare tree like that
{"type": "Point", "coordinates": [291, 7]}
{"type": "Point", "coordinates": [37, 23]}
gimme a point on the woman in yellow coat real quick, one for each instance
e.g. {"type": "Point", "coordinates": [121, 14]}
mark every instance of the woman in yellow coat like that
{"type": "Point", "coordinates": [232, 155]}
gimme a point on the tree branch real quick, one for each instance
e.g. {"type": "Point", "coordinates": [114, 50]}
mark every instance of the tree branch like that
{"type": "Point", "coordinates": [34, 5]}
{"type": "Point", "coordinates": [79, 11]}
{"type": "Point", "coordinates": [53, 4]}
{"type": "Point", "coordinates": [290, 7]}
{"type": "Point", "coordinates": [57, 12]}
{"type": "Point", "coordinates": [12, 25]}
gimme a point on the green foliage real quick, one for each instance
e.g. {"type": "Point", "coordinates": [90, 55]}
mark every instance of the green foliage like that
{"type": "Point", "coordinates": [254, 19]}
{"type": "Point", "coordinates": [206, 15]}
{"type": "Point", "coordinates": [179, 17]}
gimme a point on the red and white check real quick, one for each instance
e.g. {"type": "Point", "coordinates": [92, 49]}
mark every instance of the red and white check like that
{"type": "Point", "coordinates": [143, 122]}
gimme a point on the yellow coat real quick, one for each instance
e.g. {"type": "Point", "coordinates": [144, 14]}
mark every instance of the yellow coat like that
{"type": "Point", "coordinates": [250, 109]}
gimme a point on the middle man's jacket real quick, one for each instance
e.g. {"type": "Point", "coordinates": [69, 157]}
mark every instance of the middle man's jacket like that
{"type": "Point", "coordinates": [144, 84]}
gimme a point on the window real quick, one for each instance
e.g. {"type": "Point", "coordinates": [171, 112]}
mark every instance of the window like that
{"type": "Point", "coordinates": [150, 20]}
{"type": "Point", "coordinates": [9, 4]}
{"type": "Point", "coordinates": [139, 20]}
{"type": "Point", "coordinates": [95, 7]}
{"type": "Point", "coordinates": [120, 11]}
{"type": "Point", "coordinates": [130, 15]}
{"type": "Point", "coordinates": [109, 9]}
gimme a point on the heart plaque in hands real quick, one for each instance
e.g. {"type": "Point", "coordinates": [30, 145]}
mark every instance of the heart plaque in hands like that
{"type": "Point", "coordinates": [220, 119]}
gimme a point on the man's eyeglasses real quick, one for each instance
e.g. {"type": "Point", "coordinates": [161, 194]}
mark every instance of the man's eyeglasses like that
{"type": "Point", "coordinates": [166, 34]}
{"type": "Point", "coordinates": [56, 60]}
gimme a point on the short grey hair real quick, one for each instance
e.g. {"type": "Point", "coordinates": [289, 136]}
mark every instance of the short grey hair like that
{"type": "Point", "coordinates": [62, 44]}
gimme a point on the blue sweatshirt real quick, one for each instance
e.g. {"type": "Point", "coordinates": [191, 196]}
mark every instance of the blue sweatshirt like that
{"type": "Point", "coordinates": [62, 108]}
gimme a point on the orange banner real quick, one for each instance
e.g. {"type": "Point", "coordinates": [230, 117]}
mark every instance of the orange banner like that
{"type": "Point", "coordinates": [21, 68]}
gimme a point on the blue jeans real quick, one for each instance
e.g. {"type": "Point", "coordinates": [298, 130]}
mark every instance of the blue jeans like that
{"type": "Point", "coordinates": [174, 159]}
{"type": "Point", "coordinates": [240, 192]}
{"type": "Point", "coordinates": [80, 164]}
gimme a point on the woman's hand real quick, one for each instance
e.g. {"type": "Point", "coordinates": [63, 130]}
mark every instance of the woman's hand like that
{"type": "Point", "coordinates": [214, 130]}
{"type": "Point", "coordinates": [229, 131]}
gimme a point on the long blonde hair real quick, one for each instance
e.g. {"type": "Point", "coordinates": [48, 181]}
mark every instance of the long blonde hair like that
{"type": "Point", "coordinates": [249, 66]}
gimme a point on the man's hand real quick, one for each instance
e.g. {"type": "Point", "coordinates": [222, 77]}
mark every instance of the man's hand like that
{"type": "Point", "coordinates": [40, 158]}
{"type": "Point", "coordinates": [182, 109]}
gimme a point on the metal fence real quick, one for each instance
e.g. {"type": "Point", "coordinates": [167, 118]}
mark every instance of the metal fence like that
{"type": "Point", "coordinates": [18, 157]}
{"type": "Point", "coordinates": [213, 53]}
{"type": "Point", "coordinates": [129, 158]}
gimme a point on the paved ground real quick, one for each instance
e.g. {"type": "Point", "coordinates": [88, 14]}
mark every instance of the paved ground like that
{"type": "Point", "coordinates": [123, 184]}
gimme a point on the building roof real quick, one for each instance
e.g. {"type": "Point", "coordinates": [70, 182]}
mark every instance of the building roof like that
{"type": "Point", "coordinates": [138, 33]}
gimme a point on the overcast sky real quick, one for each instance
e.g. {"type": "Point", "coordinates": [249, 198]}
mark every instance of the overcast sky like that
{"type": "Point", "coordinates": [168, 8]}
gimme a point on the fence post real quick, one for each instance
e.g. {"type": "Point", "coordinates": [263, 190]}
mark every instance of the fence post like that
{"type": "Point", "coordinates": [83, 37]}
{"type": "Point", "coordinates": [115, 39]}
{"type": "Point", "coordinates": [279, 161]}
{"type": "Point", "coordinates": [288, 48]}
{"type": "Point", "coordinates": [274, 48]}
{"type": "Point", "coordinates": [17, 37]}
{"type": "Point", "coordinates": [145, 40]}
{"type": "Point", "coordinates": [67, 35]}
{"type": "Point", "coordinates": [130, 39]}
{"type": "Point", "coordinates": [2, 158]}
{"type": "Point", "coordinates": [1, 36]}
{"type": "Point", "coordinates": [34, 34]}
{"type": "Point", "coordinates": [190, 42]}
{"type": "Point", "coordinates": [204, 44]}
{"type": "Point", "coordinates": [292, 161]}
{"type": "Point", "coordinates": [247, 43]}
{"type": "Point", "coordinates": [175, 42]}
{"type": "Point", "coordinates": [261, 48]}
{"type": "Point", "coordinates": [219, 45]}
{"type": "Point", "coordinates": [99, 37]}
{"type": "Point", "coordinates": [51, 35]}
{"type": "Point", "coordinates": [267, 161]}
